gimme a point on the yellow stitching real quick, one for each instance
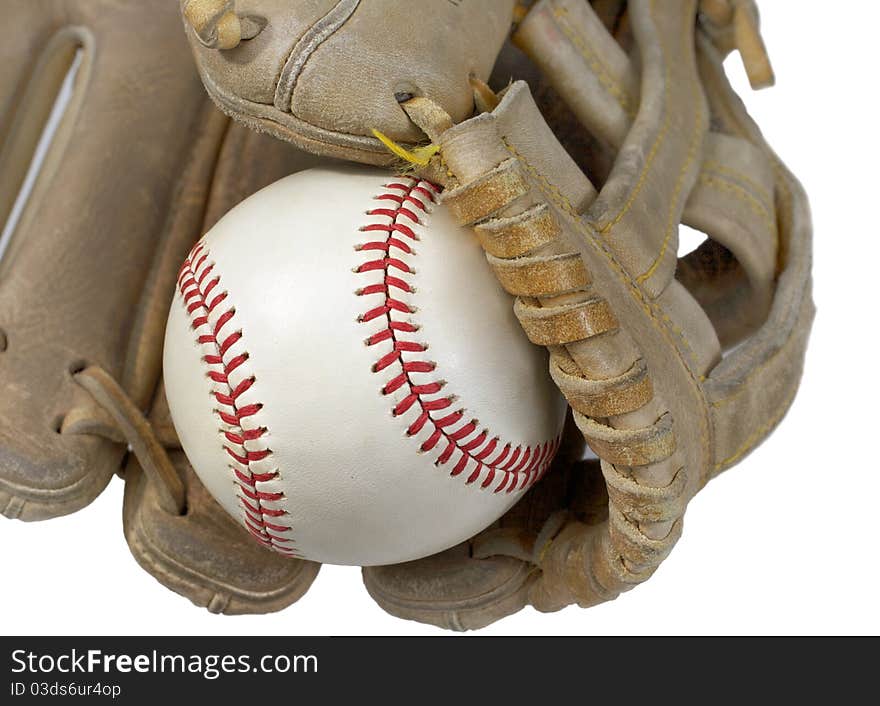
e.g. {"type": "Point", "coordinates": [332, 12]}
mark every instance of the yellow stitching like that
{"type": "Point", "coordinates": [604, 229]}
{"type": "Point", "coordinates": [782, 185]}
{"type": "Point", "coordinates": [647, 306]}
{"type": "Point", "coordinates": [561, 200]}
{"type": "Point", "coordinates": [722, 105]}
{"type": "Point", "coordinates": [759, 433]}
{"type": "Point", "coordinates": [773, 358]}
{"type": "Point", "coordinates": [652, 153]}
{"type": "Point", "coordinates": [593, 61]}
{"type": "Point", "coordinates": [742, 195]}
{"type": "Point", "coordinates": [760, 192]}
{"type": "Point", "coordinates": [683, 337]}
{"type": "Point", "coordinates": [744, 132]}
{"type": "Point", "coordinates": [546, 548]}
{"type": "Point", "coordinates": [679, 184]}
{"type": "Point", "coordinates": [548, 186]}
{"type": "Point", "coordinates": [671, 221]}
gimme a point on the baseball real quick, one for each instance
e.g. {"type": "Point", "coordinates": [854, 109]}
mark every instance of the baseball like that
{"type": "Point", "coordinates": [347, 377]}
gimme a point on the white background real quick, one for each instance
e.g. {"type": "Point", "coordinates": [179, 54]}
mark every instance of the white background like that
{"type": "Point", "coordinates": [785, 542]}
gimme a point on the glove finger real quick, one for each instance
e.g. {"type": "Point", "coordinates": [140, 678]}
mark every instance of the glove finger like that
{"type": "Point", "coordinates": [301, 77]}
{"type": "Point", "coordinates": [84, 249]}
{"type": "Point", "coordinates": [653, 396]}
{"type": "Point", "coordinates": [205, 555]}
{"type": "Point", "coordinates": [462, 589]}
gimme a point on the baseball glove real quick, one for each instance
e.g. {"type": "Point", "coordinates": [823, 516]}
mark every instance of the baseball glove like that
{"type": "Point", "coordinates": [603, 126]}
{"type": "Point", "coordinates": [140, 165]}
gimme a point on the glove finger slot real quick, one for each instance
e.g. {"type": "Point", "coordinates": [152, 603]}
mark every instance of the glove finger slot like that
{"type": "Point", "coordinates": [732, 276]}
{"type": "Point", "coordinates": [53, 90]}
{"type": "Point", "coordinates": [714, 277]}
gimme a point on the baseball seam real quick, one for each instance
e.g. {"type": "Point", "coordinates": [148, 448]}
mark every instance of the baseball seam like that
{"type": "Point", "coordinates": [457, 438]}
{"type": "Point", "coordinates": [244, 444]}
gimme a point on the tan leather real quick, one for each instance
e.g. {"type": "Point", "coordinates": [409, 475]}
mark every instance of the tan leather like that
{"type": "Point", "coordinates": [324, 73]}
{"type": "Point", "coordinates": [652, 395]}
{"type": "Point", "coordinates": [136, 171]}
{"type": "Point", "coordinates": [575, 184]}
{"type": "Point", "coordinates": [91, 243]}
{"type": "Point", "coordinates": [734, 24]}
{"type": "Point", "coordinates": [460, 589]}
{"type": "Point", "coordinates": [751, 389]}
{"type": "Point", "coordinates": [203, 554]}
{"type": "Point", "coordinates": [732, 196]}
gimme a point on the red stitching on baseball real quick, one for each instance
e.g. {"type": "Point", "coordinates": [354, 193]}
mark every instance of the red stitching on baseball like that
{"type": "Point", "coordinates": [523, 466]}
{"type": "Point", "coordinates": [256, 503]}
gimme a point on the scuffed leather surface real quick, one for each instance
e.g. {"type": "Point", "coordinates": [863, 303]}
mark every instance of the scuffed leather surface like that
{"type": "Point", "coordinates": [138, 158]}
{"type": "Point", "coordinates": [690, 152]}
{"type": "Point", "coordinates": [204, 555]}
{"type": "Point", "coordinates": [749, 284]}
{"type": "Point", "coordinates": [350, 75]}
{"type": "Point", "coordinates": [73, 276]}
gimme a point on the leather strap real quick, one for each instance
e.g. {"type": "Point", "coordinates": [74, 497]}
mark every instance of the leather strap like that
{"type": "Point", "coordinates": [137, 431]}
{"type": "Point", "coordinates": [651, 392]}
{"type": "Point", "coordinates": [733, 195]}
{"type": "Point", "coordinates": [751, 389]}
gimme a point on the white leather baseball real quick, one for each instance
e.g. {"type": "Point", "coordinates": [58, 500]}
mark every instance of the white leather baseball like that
{"type": "Point", "coordinates": [346, 376]}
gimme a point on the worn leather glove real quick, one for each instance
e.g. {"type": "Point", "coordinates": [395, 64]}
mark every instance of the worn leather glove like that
{"type": "Point", "coordinates": [619, 124]}
{"type": "Point", "coordinates": [675, 368]}
{"type": "Point", "coordinates": [140, 165]}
